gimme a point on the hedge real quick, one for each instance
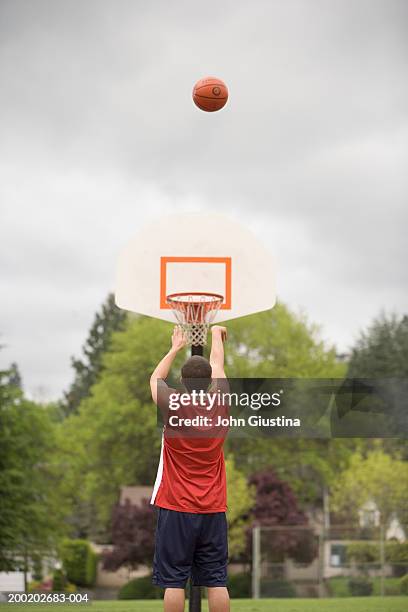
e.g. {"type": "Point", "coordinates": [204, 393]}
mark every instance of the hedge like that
{"type": "Point", "coordinates": [277, 588]}
{"type": "Point", "coordinates": [360, 586]}
{"type": "Point", "coordinates": [239, 586]}
{"type": "Point", "coordinates": [363, 552]}
{"type": "Point", "coordinates": [404, 585]}
{"type": "Point", "coordinates": [338, 586]}
{"type": "Point", "coordinates": [79, 562]}
{"type": "Point", "coordinates": [395, 553]}
{"type": "Point", "coordinates": [140, 588]}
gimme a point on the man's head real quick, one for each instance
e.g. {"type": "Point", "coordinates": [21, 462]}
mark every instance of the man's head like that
{"type": "Point", "coordinates": [196, 373]}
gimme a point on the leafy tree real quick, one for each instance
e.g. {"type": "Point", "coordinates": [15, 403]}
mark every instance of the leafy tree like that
{"type": "Point", "coordinates": [241, 498]}
{"type": "Point", "coordinates": [133, 529]}
{"type": "Point", "coordinates": [30, 514]}
{"type": "Point", "coordinates": [276, 506]}
{"type": "Point", "coordinates": [88, 369]}
{"type": "Point", "coordinates": [278, 344]}
{"type": "Point", "coordinates": [308, 465]}
{"type": "Point", "coordinates": [113, 439]}
{"type": "Point", "coordinates": [376, 477]}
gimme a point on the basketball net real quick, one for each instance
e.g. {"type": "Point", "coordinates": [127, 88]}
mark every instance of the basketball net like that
{"type": "Point", "coordinates": [195, 312]}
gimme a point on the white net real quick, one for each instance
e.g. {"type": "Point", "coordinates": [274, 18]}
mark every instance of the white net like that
{"type": "Point", "coordinates": [196, 335]}
{"type": "Point", "coordinates": [195, 312]}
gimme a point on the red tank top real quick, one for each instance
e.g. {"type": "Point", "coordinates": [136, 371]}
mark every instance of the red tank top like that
{"type": "Point", "coordinates": [191, 475]}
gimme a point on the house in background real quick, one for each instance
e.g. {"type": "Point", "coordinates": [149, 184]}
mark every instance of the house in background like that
{"type": "Point", "coordinates": [332, 541]}
{"type": "Point", "coordinates": [12, 581]}
{"type": "Point", "coordinates": [309, 579]}
{"type": "Point", "coordinates": [135, 494]}
{"type": "Point", "coordinates": [335, 548]}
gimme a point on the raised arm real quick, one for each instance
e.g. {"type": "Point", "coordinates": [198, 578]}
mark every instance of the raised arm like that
{"type": "Point", "coordinates": [219, 334]}
{"type": "Point", "coordinates": [163, 367]}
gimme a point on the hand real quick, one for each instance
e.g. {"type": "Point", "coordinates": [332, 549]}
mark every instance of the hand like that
{"type": "Point", "coordinates": [178, 338]}
{"type": "Point", "coordinates": [220, 329]}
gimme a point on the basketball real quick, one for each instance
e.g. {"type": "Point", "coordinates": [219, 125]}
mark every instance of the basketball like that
{"type": "Point", "coordinates": [210, 94]}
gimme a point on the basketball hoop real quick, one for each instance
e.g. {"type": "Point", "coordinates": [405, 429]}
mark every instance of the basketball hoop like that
{"type": "Point", "coordinates": [195, 312]}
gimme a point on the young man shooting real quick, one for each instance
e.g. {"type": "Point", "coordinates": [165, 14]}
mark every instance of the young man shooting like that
{"type": "Point", "coordinates": [190, 489]}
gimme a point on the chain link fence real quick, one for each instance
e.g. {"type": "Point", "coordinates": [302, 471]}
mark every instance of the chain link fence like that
{"type": "Point", "coordinates": [340, 561]}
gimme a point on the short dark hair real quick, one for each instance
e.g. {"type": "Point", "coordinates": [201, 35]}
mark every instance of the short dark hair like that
{"type": "Point", "coordinates": [196, 373]}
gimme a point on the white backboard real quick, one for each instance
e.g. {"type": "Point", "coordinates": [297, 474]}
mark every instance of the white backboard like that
{"type": "Point", "coordinates": [197, 252]}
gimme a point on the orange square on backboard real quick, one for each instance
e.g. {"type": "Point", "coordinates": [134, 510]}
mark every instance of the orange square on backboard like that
{"type": "Point", "coordinates": [206, 260]}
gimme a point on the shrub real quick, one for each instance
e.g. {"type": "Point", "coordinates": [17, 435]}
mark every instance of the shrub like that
{"type": "Point", "coordinates": [79, 562]}
{"type": "Point", "coordinates": [58, 581]}
{"type": "Point", "coordinates": [46, 584]}
{"type": "Point", "coordinates": [277, 588]}
{"type": "Point", "coordinates": [239, 586]}
{"type": "Point", "coordinates": [391, 586]}
{"type": "Point", "coordinates": [363, 552]}
{"type": "Point", "coordinates": [91, 567]}
{"type": "Point", "coordinates": [396, 553]}
{"type": "Point", "coordinates": [34, 585]}
{"type": "Point", "coordinates": [404, 585]}
{"type": "Point", "coordinates": [360, 586]}
{"type": "Point", "coordinates": [140, 588]}
{"type": "Point", "coordinates": [338, 586]}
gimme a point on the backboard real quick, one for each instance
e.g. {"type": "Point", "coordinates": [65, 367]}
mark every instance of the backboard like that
{"type": "Point", "coordinates": [195, 252]}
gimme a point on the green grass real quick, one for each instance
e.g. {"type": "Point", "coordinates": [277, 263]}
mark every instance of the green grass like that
{"type": "Point", "coordinates": [355, 604]}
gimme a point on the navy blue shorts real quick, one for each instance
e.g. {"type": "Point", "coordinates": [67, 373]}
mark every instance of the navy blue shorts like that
{"type": "Point", "coordinates": [190, 544]}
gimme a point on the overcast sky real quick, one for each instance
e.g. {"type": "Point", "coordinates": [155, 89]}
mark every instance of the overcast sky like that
{"type": "Point", "coordinates": [98, 134]}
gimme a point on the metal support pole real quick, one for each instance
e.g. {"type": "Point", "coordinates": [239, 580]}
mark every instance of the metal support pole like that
{"type": "Point", "coordinates": [256, 561]}
{"type": "Point", "coordinates": [382, 560]}
{"type": "Point", "coordinates": [194, 604]}
{"type": "Point", "coordinates": [320, 564]}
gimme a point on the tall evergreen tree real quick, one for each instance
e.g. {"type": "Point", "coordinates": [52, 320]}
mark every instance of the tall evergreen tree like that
{"type": "Point", "coordinates": [88, 368]}
{"type": "Point", "coordinates": [14, 377]}
{"type": "Point", "coordinates": [382, 350]}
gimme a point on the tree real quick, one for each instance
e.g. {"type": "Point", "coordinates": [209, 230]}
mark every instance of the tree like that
{"type": "Point", "coordinates": [276, 507]}
{"type": "Point", "coordinates": [114, 439]}
{"type": "Point", "coordinates": [14, 377]}
{"type": "Point", "coordinates": [279, 344]}
{"type": "Point", "coordinates": [377, 477]}
{"type": "Point", "coordinates": [241, 498]}
{"type": "Point", "coordinates": [88, 369]}
{"type": "Point", "coordinates": [133, 529]}
{"type": "Point", "coordinates": [382, 350]}
{"type": "Point", "coordinates": [30, 514]}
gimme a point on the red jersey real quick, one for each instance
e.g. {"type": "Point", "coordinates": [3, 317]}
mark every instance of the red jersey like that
{"type": "Point", "coordinates": [191, 475]}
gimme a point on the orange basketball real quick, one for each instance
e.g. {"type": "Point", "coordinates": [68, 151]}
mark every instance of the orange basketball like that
{"type": "Point", "coordinates": [210, 94]}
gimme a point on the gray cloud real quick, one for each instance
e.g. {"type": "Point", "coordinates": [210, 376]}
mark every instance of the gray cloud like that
{"type": "Point", "coordinates": [99, 133]}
